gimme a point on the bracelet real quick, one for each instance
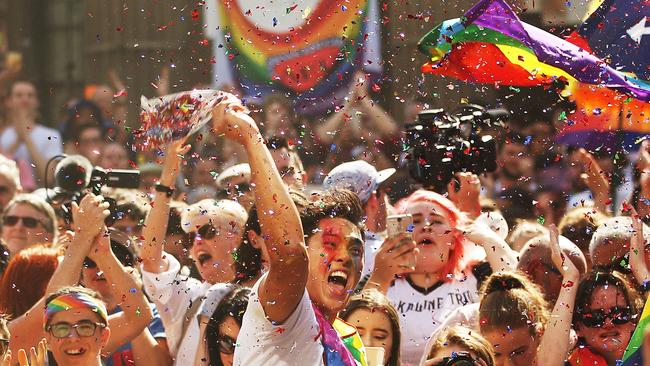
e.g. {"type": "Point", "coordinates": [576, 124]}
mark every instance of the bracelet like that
{"type": "Point", "coordinates": [164, 189]}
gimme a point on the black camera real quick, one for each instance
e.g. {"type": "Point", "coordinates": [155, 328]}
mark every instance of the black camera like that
{"type": "Point", "coordinates": [440, 144]}
{"type": "Point", "coordinates": [74, 174]}
{"type": "Point", "coordinates": [457, 359]}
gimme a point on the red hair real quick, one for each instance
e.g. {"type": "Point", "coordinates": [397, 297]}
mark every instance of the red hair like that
{"type": "Point", "coordinates": [25, 280]}
{"type": "Point", "coordinates": [458, 258]}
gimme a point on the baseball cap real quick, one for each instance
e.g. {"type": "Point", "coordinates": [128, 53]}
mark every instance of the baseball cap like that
{"type": "Point", "coordinates": [357, 176]}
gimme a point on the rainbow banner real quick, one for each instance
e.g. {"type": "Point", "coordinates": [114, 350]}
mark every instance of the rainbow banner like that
{"type": "Point", "coordinates": [491, 45]}
{"type": "Point", "coordinates": [306, 49]}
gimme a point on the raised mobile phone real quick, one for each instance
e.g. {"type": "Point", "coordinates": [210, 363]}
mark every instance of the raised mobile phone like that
{"type": "Point", "coordinates": [398, 224]}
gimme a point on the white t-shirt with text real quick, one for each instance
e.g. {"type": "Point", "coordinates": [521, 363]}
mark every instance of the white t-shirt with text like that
{"type": "Point", "coordinates": [422, 312]}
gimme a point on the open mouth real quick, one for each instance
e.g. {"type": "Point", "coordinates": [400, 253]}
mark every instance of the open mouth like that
{"type": "Point", "coordinates": [75, 352]}
{"type": "Point", "coordinates": [338, 280]}
{"type": "Point", "coordinates": [203, 257]}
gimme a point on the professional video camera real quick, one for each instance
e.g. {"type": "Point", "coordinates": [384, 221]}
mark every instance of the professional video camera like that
{"type": "Point", "coordinates": [440, 144]}
{"type": "Point", "coordinates": [74, 174]}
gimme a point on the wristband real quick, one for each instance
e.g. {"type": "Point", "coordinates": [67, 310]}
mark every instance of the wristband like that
{"type": "Point", "coordinates": [164, 189]}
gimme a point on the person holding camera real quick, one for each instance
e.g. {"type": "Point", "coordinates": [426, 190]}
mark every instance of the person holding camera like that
{"type": "Point", "coordinates": [90, 240]}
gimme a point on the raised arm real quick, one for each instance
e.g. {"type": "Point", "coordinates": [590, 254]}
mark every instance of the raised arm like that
{"type": "Point", "coordinates": [155, 225]}
{"type": "Point", "coordinates": [596, 181]}
{"type": "Point", "coordinates": [554, 346]}
{"type": "Point", "coordinates": [395, 257]}
{"type": "Point", "coordinates": [498, 253]}
{"type": "Point", "coordinates": [27, 330]}
{"type": "Point", "coordinates": [136, 313]}
{"type": "Point", "coordinates": [285, 283]}
{"type": "Point", "coordinates": [637, 251]}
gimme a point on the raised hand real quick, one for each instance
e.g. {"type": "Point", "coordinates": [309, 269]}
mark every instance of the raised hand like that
{"type": "Point", "coordinates": [637, 250]}
{"type": "Point", "coordinates": [595, 179]}
{"type": "Point", "coordinates": [467, 197]}
{"type": "Point", "coordinates": [566, 267]}
{"type": "Point", "coordinates": [230, 118]}
{"type": "Point", "coordinates": [173, 158]}
{"type": "Point", "coordinates": [396, 256]}
{"type": "Point", "coordinates": [36, 356]}
{"type": "Point", "coordinates": [88, 217]}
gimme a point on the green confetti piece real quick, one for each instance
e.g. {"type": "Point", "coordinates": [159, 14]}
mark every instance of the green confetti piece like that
{"type": "Point", "coordinates": [562, 116]}
{"type": "Point", "coordinates": [628, 100]}
{"type": "Point", "coordinates": [541, 219]}
{"type": "Point", "coordinates": [516, 90]}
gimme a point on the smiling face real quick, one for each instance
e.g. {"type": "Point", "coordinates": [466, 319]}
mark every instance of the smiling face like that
{"type": "Point", "coordinates": [335, 262]}
{"type": "Point", "coordinates": [76, 350]}
{"type": "Point", "coordinates": [19, 236]}
{"type": "Point", "coordinates": [433, 234]}
{"type": "Point", "coordinates": [516, 347]}
{"type": "Point", "coordinates": [609, 340]}
{"type": "Point", "coordinates": [375, 329]}
{"type": "Point", "coordinates": [213, 247]}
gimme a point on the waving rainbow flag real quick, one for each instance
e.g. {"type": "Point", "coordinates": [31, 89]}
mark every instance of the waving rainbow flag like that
{"type": "Point", "coordinates": [491, 45]}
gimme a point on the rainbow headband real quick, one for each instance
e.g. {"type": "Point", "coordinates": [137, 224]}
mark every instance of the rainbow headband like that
{"type": "Point", "coordinates": [75, 300]}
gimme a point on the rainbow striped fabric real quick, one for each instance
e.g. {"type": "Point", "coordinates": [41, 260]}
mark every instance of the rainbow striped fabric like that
{"type": "Point", "coordinates": [74, 300]}
{"type": "Point", "coordinates": [632, 355]}
{"type": "Point", "coordinates": [491, 45]}
{"type": "Point", "coordinates": [341, 342]}
{"type": "Point", "coordinates": [308, 50]}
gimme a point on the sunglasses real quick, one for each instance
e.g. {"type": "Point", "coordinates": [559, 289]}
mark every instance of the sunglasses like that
{"type": "Point", "coordinates": [207, 232]}
{"type": "Point", "coordinates": [227, 345]}
{"type": "Point", "coordinates": [84, 328]}
{"type": "Point", "coordinates": [28, 222]}
{"type": "Point", "coordinates": [596, 318]}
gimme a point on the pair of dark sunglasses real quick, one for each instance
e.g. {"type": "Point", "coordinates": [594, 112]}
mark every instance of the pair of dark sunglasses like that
{"type": "Point", "coordinates": [227, 345]}
{"type": "Point", "coordinates": [597, 318]}
{"type": "Point", "coordinates": [28, 222]}
{"type": "Point", "coordinates": [207, 232]}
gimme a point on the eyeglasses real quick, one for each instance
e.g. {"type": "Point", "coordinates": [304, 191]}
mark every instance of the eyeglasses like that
{"type": "Point", "coordinates": [28, 222]}
{"type": "Point", "coordinates": [84, 328]}
{"type": "Point", "coordinates": [227, 345]}
{"type": "Point", "coordinates": [596, 318]}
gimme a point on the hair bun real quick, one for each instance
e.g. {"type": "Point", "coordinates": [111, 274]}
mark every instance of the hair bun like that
{"type": "Point", "coordinates": [503, 282]}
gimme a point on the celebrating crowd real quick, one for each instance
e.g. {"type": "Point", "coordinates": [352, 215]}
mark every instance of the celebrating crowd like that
{"type": "Point", "coordinates": [271, 239]}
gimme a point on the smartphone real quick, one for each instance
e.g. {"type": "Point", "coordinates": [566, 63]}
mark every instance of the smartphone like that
{"type": "Point", "coordinates": [398, 224]}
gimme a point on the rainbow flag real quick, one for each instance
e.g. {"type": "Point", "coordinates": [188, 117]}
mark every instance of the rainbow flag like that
{"type": "Point", "coordinates": [633, 352]}
{"type": "Point", "coordinates": [491, 45]}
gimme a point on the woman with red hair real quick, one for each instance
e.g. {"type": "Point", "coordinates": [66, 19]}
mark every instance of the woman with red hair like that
{"type": "Point", "coordinates": [447, 270]}
{"type": "Point", "coordinates": [25, 279]}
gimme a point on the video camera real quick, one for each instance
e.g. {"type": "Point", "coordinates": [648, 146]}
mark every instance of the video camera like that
{"type": "Point", "coordinates": [74, 174]}
{"type": "Point", "coordinates": [440, 144]}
